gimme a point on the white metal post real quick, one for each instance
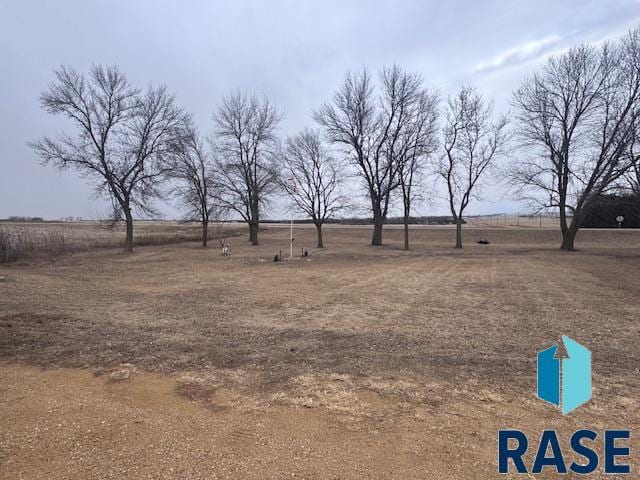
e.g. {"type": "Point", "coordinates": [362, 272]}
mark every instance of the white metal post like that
{"type": "Point", "coordinates": [292, 182]}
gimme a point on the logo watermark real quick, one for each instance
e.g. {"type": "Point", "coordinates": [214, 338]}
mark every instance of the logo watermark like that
{"type": "Point", "coordinates": [564, 380]}
{"type": "Point", "coordinates": [564, 375]}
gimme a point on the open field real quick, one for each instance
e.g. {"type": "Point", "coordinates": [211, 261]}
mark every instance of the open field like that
{"type": "Point", "coordinates": [25, 239]}
{"type": "Point", "coordinates": [357, 362]}
{"type": "Point", "coordinates": [19, 240]}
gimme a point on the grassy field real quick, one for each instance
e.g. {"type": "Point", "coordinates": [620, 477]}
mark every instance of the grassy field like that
{"type": "Point", "coordinates": [356, 362]}
{"type": "Point", "coordinates": [20, 240]}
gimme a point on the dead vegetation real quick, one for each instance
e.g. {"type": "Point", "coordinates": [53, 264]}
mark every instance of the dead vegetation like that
{"type": "Point", "coordinates": [23, 240]}
{"type": "Point", "coordinates": [18, 242]}
{"type": "Point", "coordinates": [447, 347]}
{"type": "Point", "coordinates": [184, 308]}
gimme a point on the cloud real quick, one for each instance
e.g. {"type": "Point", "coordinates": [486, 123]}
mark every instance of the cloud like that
{"type": "Point", "coordinates": [520, 54]}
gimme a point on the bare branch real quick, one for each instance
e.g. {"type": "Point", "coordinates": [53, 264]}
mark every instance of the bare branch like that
{"type": "Point", "coordinates": [578, 124]}
{"type": "Point", "coordinates": [369, 129]}
{"type": "Point", "coordinates": [471, 143]}
{"type": "Point", "coordinates": [124, 139]}
{"type": "Point", "coordinates": [246, 146]}
{"type": "Point", "coordinates": [311, 178]}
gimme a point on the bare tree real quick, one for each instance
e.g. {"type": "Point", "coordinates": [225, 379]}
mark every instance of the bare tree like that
{"type": "Point", "coordinates": [124, 138]}
{"type": "Point", "coordinates": [418, 142]}
{"type": "Point", "coordinates": [311, 179]}
{"type": "Point", "coordinates": [369, 126]}
{"type": "Point", "coordinates": [472, 142]}
{"type": "Point", "coordinates": [578, 120]}
{"type": "Point", "coordinates": [635, 177]}
{"type": "Point", "coordinates": [245, 141]}
{"type": "Point", "coordinates": [632, 176]}
{"type": "Point", "coordinates": [193, 173]}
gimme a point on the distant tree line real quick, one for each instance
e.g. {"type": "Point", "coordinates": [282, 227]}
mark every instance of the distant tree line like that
{"type": "Point", "coordinates": [571, 145]}
{"type": "Point", "coordinates": [423, 220]}
{"type": "Point", "coordinates": [604, 210]}
{"type": "Point", "coordinates": [25, 219]}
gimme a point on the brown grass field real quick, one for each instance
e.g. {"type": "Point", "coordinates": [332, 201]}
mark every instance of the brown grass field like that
{"type": "Point", "coordinates": [357, 362]}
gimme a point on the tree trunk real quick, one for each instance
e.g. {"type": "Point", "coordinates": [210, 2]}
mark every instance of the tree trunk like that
{"type": "Point", "coordinates": [319, 229]}
{"type": "Point", "coordinates": [253, 232]}
{"type": "Point", "coordinates": [205, 232]}
{"type": "Point", "coordinates": [568, 231]}
{"type": "Point", "coordinates": [567, 241]}
{"type": "Point", "coordinates": [459, 232]}
{"type": "Point", "coordinates": [406, 226]}
{"type": "Point", "coordinates": [378, 221]}
{"type": "Point", "coordinates": [406, 234]}
{"type": "Point", "coordinates": [568, 237]}
{"type": "Point", "coordinates": [254, 223]}
{"type": "Point", "coordinates": [128, 242]}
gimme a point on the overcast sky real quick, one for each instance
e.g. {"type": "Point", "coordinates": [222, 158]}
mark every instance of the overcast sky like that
{"type": "Point", "coordinates": [296, 52]}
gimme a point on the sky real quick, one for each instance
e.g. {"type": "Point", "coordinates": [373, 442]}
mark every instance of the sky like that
{"type": "Point", "coordinates": [295, 52]}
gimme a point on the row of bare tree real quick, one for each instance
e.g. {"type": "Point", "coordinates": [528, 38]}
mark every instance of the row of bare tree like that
{"type": "Point", "coordinates": [575, 136]}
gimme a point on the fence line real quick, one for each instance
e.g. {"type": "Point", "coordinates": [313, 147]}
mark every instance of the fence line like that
{"type": "Point", "coordinates": [516, 220]}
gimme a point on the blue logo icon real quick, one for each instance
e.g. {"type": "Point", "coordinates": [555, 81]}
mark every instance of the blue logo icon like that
{"type": "Point", "coordinates": [564, 375]}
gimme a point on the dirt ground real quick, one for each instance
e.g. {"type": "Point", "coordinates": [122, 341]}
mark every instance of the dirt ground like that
{"type": "Point", "coordinates": [356, 362]}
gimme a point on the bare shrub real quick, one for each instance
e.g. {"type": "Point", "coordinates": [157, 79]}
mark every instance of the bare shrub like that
{"type": "Point", "coordinates": [20, 242]}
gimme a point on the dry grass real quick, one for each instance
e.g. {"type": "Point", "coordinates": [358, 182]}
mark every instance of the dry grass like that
{"type": "Point", "coordinates": [18, 243]}
{"type": "Point", "coordinates": [433, 345]}
{"type": "Point", "coordinates": [24, 240]}
{"type": "Point", "coordinates": [350, 308]}
{"type": "Point", "coordinates": [349, 296]}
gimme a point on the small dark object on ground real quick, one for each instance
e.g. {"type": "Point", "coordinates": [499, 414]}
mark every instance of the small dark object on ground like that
{"type": "Point", "coordinates": [305, 253]}
{"type": "Point", "coordinates": [484, 241]}
{"type": "Point", "coordinates": [276, 258]}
